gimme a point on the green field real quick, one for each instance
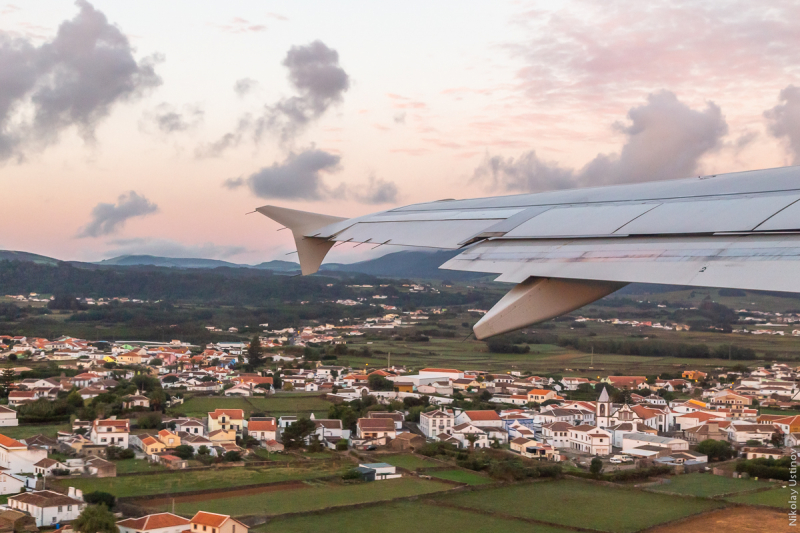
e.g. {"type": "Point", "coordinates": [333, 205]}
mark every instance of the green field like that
{"type": "Point", "coordinates": [314, 496]}
{"type": "Point", "coordinates": [583, 504]}
{"type": "Point", "coordinates": [276, 405]}
{"type": "Point", "coordinates": [23, 432]}
{"type": "Point", "coordinates": [407, 461]}
{"type": "Point", "coordinates": [394, 518]}
{"type": "Point", "coordinates": [461, 476]}
{"type": "Point", "coordinates": [171, 482]}
{"type": "Point", "coordinates": [127, 466]}
{"type": "Point", "coordinates": [778, 497]}
{"type": "Point", "coordinates": [707, 485]}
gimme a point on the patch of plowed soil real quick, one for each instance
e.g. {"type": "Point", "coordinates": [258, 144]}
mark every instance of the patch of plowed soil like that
{"type": "Point", "coordinates": [732, 520]}
{"type": "Point", "coordinates": [167, 500]}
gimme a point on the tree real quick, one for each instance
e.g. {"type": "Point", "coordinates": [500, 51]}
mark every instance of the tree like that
{"type": "Point", "coordinates": [288, 386]}
{"type": "Point", "coordinates": [596, 466]}
{"type": "Point", "coordinates": [184, 451]}
{"type": "Point", "coordinates": [13, 357]}
{"type": "Point", "coordinates": [295, 434]}
{"type": "Point", "coordinates": [718, 450]}
{"type": "Point", "coordinates": [776, 440]}
{"type": "Point", "coordinates": [96, 519]}
{"type": "Point", "coordinates": [99, 497]}
{"type": "Point", "coordinates": [149, 421]}
{"type": "Point", "coordinates": [156, 362]}
{"type": "Point", "coordinates": [380, 383]}
{"type": "Point", "coordinates": [255, 358]}
{"type": "Point", "coordinates": [203, 450]}
{"type": "Point", "coordinates": [158, 399]}
{"type": "Point", "coordinates": [7, 379]}
{"type": "Point", "coordinates": [232, 456]}
{"type": "Point", "coordinates": [471, 437]}
{"type": "Point", "coordinates": [74, 399]}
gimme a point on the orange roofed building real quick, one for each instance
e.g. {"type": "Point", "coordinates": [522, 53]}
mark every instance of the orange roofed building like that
{"type": "Point", "coordinates": [226, 419]}
{"type": "Point", "coordinates": [204, 522]}
{"type": "Point", "coordinates": [154, 523]}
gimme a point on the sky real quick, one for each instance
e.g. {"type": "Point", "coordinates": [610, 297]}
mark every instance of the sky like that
{"type": "Point", "coordinates": [155, 127]}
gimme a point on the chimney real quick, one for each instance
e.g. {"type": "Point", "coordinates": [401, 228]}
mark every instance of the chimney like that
{"type": "Point", "coordinates": [71, 492]}
{"type": "Point", "coordinates": [78, 494]}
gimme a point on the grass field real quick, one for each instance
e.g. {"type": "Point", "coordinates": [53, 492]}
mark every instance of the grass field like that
{"type": "Point", "coordinates": [22, 432]}
{"type": "Point", "coordinates": [707, 485]}
{"type": "Point", "coordinates": [470, 478]}
{"type": "Point", "coordinates": [582, 504]}
{"type": "Point", "coordinates": [276, 405]}
{"type": "Point", "coordinates": [127, 466]}
{"type": "Point", "coordinates": [407, 461]}
{"type": "Point", "coordinates": [778, 497]}
{"type": "Point", "coordinates": [169, 483]}
{"type": "Point", "coordinates": [315, 496]}
{"type": "Point", "coordinates": [394, 518]}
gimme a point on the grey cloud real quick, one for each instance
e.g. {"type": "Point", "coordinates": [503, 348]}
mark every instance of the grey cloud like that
{"type": "Point", "coordinates": [170, 248]}
{"type": "Point", "coordinates": [665, 139]}
{"type": "Point", "coordinates": [784, 120]}
{"type": "Point", "coordinates": [233, 183]}
{"type": "Point", "coordinates": [301, 177]}
{"type": "Point", "coordinates": [244, 86]}
{"type": "Point", "coordinates": [319, 81]}
{"type": "Point", "coordinates": [170, 120]}
{"type": "Point", "coordinates": [376, 191]}
{"type": "Point", "coordinates": [400, 118]}
{"type": "Point", "coordinates": [298, 177]}
{"type": "Point", "coordinates": [73, 80]}
{"type": "Point", "coordinates": [110, 218]}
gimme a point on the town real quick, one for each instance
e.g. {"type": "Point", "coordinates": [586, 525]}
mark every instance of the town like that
{"type": "Point", "coordinates": [80, 415]}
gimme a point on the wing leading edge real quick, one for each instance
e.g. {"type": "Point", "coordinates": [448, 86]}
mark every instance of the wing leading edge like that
{"type": "Point", "coordinates": [565, 249]}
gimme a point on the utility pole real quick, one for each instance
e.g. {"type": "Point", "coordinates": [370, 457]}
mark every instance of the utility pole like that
{"type": "Point", "coordinates": [389, 360]}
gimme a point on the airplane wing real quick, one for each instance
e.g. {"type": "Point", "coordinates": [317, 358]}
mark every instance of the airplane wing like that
{"type": "Point", "coordinates": [565, 249]}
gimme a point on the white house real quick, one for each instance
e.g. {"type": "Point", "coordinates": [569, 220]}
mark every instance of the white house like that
{"type": "Point", "coordinates": [382, 470]}
{"type": "Point", "coordinates": [635, 440]}
{"type": "Point", "coordinates": [154, 523]}
{"type": "Point", "coordinates": [47, 507]}
{"type": "Point", "coordinates": [262, 428]}
{"type": "Point", "coordinates": [435, 422]}
{"type": "Point", "coordinates": [590, 439]}
{"type": "Point", "coordinates": [111, 432]}
{"type": "Point", "coordinates": [17, 457]}
{"type": "Point", "coordinates": [465, 432]}
{"type": "Point", "coordinates": [10, 483]}
{"type": "Point", "coordinates": [556, 434]}
{"type": "Point", "coordinates": [8, 417]}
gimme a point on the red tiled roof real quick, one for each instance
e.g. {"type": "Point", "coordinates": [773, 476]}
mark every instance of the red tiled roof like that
{"type": "Point", "coordinates": [154, 521]}
{"type": "Point", "coordinates": [482, 415]}
{"type": "Point", "coordinates": [8, 442]}
{"type": "Point", "coordinates": [232, 413]}
{"type": "Point", "coordinates": [450, 370]}
{"type": "Point", "coordinates": [261, 425]}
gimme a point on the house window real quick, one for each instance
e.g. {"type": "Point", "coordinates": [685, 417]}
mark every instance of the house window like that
{"type": "Point", "coordinates": [69, 507]}
{"type": "Point", "coordinates": [60, 509]}
{"type": "Point", "coordinates": [204, 528]}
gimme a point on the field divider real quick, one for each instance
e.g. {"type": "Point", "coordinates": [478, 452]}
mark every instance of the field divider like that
{"type": "Point", "coordinates": [511, 517]}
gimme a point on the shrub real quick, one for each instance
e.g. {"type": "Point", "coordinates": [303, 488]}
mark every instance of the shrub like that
{"type": "Point", "coordinates": [341, 445]}
{"type": "Point", "coordinates": [232, 457]}
{"type": "Point", "coordinates": [351, 474]}
{"type": "Point", "coordinates": [115, 453]}
{"type": "Point", "coordinates": [98, 497]}
{"type": "Point", "coordinates": [184, 451]}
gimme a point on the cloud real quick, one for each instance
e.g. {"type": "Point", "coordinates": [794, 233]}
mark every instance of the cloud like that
{"type": "Point", "coordinates": [238, 25]}
{"type": "Point", "coordinates": [319, 83]}
{"type": "Point", "coordinates": [72, 80]}
{"type": "Point", "coordinates": [596, 52]}
{"type": "Point", "coordinates": [110, 218]}
{"type": "Point", "coordinates": [784, 120]}
{"type": "Point", "coordinates": [170, 120]}
{"type": "Point", "coordinates": [170, 248]}
{"type": "Point", "coordinates": [376, 191]}
{"type": "Point", "coordinates": [665, 139]}
{"type": "Point", "coordinates": [301, 177]}
{"type": "Point", "coordinates": [400, 118]}
{"type": "Point", "coordinates": [244, 86]}
{"type": "Point", "coordinates": [298, 177]}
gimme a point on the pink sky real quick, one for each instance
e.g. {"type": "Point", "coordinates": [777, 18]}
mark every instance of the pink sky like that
{"type": "Point", "coordinates": [123, 127]}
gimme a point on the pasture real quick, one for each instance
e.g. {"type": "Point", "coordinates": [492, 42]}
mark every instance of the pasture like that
{"type": "Point", "coordinates": [707, 485]}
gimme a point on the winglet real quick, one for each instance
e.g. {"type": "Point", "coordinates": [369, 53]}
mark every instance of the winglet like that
{"type": "Point", "coordinates": [310, 250]}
